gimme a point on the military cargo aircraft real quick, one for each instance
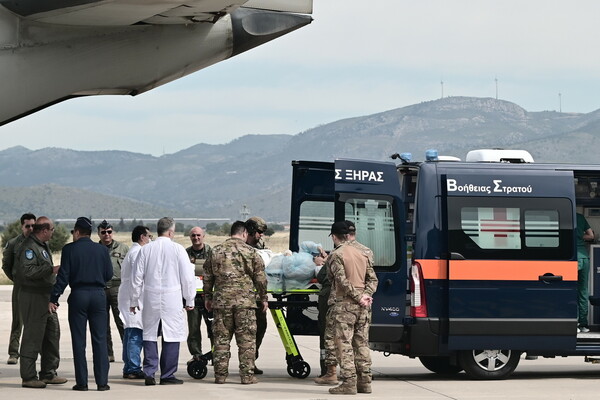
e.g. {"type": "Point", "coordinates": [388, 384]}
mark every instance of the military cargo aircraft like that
{"type": "Point", "coordinates": [55, 50]}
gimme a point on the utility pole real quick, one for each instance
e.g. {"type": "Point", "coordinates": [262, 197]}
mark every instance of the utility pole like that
{"type": "Point", "coordinates": [442, 83]}
{"type": "Point", "coordinates": [559, 102]}
{"type": "Point", "coordinates": [496, 79]}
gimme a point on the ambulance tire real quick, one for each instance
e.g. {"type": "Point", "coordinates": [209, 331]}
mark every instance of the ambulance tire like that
{"type": "Point", "coordinates": [489, 364]}
{"type": "Point", "coordinates": [440, 365]}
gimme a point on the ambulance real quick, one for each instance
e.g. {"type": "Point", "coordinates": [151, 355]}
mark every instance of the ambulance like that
{"type": "Point", "coordinates": [476, 259]}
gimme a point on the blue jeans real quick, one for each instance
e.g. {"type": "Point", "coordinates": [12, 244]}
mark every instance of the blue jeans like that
{"type": "Point", "coordinates": [132, 349]}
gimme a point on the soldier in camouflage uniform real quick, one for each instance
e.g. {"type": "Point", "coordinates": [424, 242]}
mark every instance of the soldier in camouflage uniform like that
{"type": "Point", "coordinates": [10, 265]}
{"type": "Point", "coordinates": [198, 253]}
{"type": "Point", "coordinates": [353, 282]}
{"type": "Point", "coordinates": [232, 273]}
{"type": "Point", "coordinates": [256, 227]}
{"type": "Point", "coordinates": [117, 251]}
{"type": "Point", "coordinates": [326, 342]}
{"type": "Point", "coordinates": [41, 330]}
{"type": "Point", "coordinates": [328, 361]}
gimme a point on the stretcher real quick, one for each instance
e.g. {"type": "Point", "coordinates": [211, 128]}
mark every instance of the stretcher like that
{"type": "Point", "coordinates": [292, 312]}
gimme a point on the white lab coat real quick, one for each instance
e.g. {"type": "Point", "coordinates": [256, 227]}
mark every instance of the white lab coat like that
{"type": "Point", "coordinates": [130, 320]}
{"type": "Point", "coordinates": [162, 276]}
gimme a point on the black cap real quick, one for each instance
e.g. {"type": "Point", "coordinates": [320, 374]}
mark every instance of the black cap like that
{"type": "Point", "coordinates": [351, 226]}
{"type": "Point", "coordinates": [83, 223]}
{"type": "Point", "coordinates": [104, 225]}
{"type": "Point", "coordinates": [339, 228]}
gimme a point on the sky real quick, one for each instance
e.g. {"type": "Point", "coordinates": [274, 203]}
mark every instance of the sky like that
{"type": "Point", "coordinates": [356, 58]}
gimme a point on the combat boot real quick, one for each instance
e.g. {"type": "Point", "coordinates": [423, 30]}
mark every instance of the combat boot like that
{"type": "Point", "coordinates": [330, 377]}
{"type": "Point", "coordinates": [347, 387]}
{"type": "Point", "coordinates": [249, 380]}
{"type": "Point", "coordinates": [363, 384]}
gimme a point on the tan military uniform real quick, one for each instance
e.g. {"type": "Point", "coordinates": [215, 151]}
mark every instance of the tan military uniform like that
{"type": "Point", "coordinates": [234, 277]}
{"type": "Point", "coordinates": [352, 275]}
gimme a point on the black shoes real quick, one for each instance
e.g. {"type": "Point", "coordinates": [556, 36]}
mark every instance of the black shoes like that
{"type": "Point", "coordinates": [136, 375]}
{"type": "Point", "coordinates": [103, 388]}
{"type": "Point", "coordinates": [257, 371]}
{"type": "Point", "coordinates": [81, 388]}
{"type": "Point", "coordinates": [171, 381]}
{"type": "Point", "coordinates": [150, 381]}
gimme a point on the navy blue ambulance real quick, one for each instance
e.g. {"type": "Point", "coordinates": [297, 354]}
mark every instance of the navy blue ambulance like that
{"type": "Point", "coordinates": [476, 260]}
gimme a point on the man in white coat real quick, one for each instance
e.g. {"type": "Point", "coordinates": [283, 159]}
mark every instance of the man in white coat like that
{"type": "Point", "coordinates": [164, 271]}
{"type": "Point", "coordinates": [132, 322]}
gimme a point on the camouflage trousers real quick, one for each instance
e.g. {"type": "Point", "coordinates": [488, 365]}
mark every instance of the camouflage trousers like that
{"type": "Point", "coordinates": [351, 337]}
{"type": "Point", "coordinates": [242, 323]}
{"type": "Point", "coordinates": [326, 343]}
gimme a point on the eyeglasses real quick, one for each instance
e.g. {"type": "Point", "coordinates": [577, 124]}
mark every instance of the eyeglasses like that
{"type": "Point", "coordinates": [196, 235]}
{"type": "Point", "coordinates": [149, 235]}
{"type": "Point", "coordinates": [28, 226]}
{"type": "Point", "coordinates": [106, 232]}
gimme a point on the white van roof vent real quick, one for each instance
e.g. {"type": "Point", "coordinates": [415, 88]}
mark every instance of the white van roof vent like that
{"type": "Point", "coordinates": [499, 155]}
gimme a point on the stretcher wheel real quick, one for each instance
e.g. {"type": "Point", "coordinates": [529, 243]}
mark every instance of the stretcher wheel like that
{"type": "Point", "coordinates": [197, 369]}
{"type": "Point", "coordinates": [300, 369]}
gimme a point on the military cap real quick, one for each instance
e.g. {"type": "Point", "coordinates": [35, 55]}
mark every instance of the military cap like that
{"type": "Point", "coordinates": [256, 224]}
{"type": "Point", "coordinates": [351, 226]}
{"type": "Point", "coordinates": [104, 225]}
{"type": "Point", "coordinates": [83, 223]}
{"type": "Point", "coordinates": [339, 228]}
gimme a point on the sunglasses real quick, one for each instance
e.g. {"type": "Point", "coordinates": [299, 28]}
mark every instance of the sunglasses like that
{"type": "Point", "coordinates": [28, 226]}
{"type": "Point", "coordinates": [109, 232]}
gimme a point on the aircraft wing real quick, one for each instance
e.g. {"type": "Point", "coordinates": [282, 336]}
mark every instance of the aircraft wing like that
{"type": "Point", "coordinates": [54, 50]}
{"type": "Point", "coordinates": [131, 12]}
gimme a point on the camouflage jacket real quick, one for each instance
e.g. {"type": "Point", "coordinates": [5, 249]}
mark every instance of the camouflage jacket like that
{"type": "Point", "coordinates": [232, 273]}
{"type": "Point", "coordinates": [9, 256]}
{"type": "Point", "coordinates": [351, 273]}
{"type": "Point", "coordinates": [35, 265]}
{"type": "Point", "coordinates": [198, 258]}
{"type": "Point", "coordinates": [117, 251]}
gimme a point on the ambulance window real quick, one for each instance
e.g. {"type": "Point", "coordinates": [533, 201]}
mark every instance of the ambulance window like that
{"type": "Point", "coordinates": [541, 228]}
{"type": "Point", "coordinates": [374, 222]}
{"type": "Point", "coordinates": [510, 228]}
{"type": "Point", "coordinates": [316, 218]}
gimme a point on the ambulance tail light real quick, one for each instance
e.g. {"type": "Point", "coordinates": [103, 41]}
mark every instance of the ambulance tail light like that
{"type": "Point", "coordinates": [418, 302]}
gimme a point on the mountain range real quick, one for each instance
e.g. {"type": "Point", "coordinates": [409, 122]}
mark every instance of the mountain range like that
{"type": "Point", "coordinates": [216, 181]}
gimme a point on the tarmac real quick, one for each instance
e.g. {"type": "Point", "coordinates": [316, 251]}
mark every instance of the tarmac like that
{"type": "Point", "coordinates": [395, 377]}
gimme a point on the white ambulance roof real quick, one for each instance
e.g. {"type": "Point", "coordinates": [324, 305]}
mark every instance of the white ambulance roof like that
{"type": "Point", "coordinates": [499, 155]}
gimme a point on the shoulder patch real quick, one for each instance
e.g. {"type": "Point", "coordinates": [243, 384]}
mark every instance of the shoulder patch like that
{"type": "Point", "coordinates": [29, 254]}
{"type": "Point", "coordinates": [45, 254]}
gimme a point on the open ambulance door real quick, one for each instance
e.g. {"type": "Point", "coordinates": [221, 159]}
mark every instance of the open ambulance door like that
{"type": "Point", "coordinates": [512, 268]}
{"type": "Point", "coordinates": [369, 194]}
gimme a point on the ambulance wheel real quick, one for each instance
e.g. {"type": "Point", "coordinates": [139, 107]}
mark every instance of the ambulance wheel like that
{"type": "Point", "coordinates": [440, 365]}
{"type": "Point", "coordinates": [197, 369]}
{"type": "Point", "coordinates": [300, 369]}
{"type": "Point", "coordinates": [489, 364]}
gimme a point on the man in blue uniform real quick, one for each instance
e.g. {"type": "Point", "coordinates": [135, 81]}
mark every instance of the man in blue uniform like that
{"type": "Point", "coordinates": [85, 267]}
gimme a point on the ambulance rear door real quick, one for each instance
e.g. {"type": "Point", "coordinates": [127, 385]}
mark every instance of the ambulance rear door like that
{"type": "Point", "coordinates": [512, 269]}
{"type": "Point", "coordinates": [369, 194]}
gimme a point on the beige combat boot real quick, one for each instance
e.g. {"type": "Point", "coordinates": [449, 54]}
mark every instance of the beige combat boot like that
{"type": "Point", "coordinates": [363, 385]}
{"type": "Point", "coordinates": [347, 387]}
{"type": "Point", "coordinates": [330, 377]}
